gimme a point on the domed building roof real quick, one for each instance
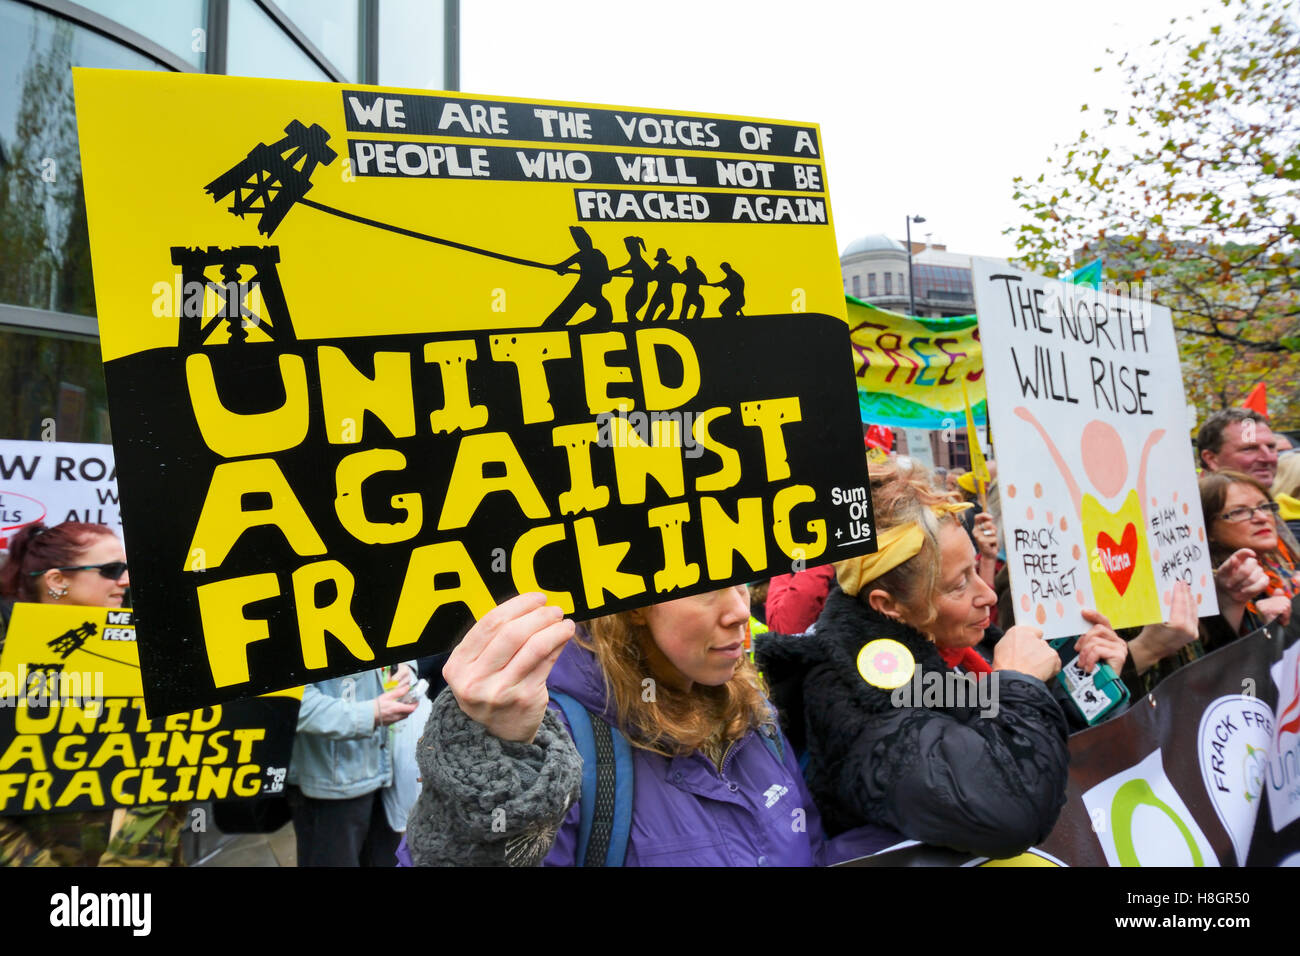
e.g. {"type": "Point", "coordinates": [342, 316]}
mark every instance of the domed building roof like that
{"type": "Point", "coordinates": [875, 243]}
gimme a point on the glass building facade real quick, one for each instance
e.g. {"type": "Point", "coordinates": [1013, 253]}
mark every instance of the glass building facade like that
{"type": "Point", "coordinates": [51, 377]}
{"type": "Point", "coordinates": [950, 283]}
{"type": "Point", "coordinates": [50, 368]}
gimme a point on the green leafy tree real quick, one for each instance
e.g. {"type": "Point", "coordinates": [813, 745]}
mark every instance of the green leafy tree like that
{"type": "Point", "coordinates": [1193, 189]}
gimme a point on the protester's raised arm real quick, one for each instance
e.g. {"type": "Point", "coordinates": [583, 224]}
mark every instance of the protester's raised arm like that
{"type": "Point", "coordinates": [498, 772]}
{"type": "Point", "coordinates": [1238, 581]}
{"type": "Point", "coordinates": [1158, 641]}
{"type": "Point", "coordinates": [1100, 644]}
{"type": "Point", "coordinates": [986, 543]}
{"type": "Point", "coordinates": [1023, 649]}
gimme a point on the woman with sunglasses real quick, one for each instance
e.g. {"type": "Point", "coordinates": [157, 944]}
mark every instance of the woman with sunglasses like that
{"type": "Point", "coordinates": [79, 564]}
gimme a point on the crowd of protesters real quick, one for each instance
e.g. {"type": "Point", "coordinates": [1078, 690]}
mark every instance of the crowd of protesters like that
{"type": "Point", "coordinates": [876, 772]}
{"type": "Point", "coordinates": [722, 729]}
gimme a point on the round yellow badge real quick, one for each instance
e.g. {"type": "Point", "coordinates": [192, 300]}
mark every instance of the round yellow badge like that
{"type": "Point", "coordinates": [885, 664]}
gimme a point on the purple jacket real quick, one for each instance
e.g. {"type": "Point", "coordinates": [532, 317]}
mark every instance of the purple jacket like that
{"type": "Point", "coordinates": [755, 812]}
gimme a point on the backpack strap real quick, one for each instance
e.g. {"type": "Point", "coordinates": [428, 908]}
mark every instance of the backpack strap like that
{"type": "Point", "coordinates": [771, 738]}
{"type": "Point", "coordinates": [608, 785]}
{"type": "Point", "coordinates": [624, 795]}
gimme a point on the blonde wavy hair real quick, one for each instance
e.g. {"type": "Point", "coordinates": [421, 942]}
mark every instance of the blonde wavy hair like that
{"type": "Point", "coordinates": [1287, 481]}
{"type": "Point", "coordinates": [900, 495]}
{"type": "Point", "coordinates": [674, 722]}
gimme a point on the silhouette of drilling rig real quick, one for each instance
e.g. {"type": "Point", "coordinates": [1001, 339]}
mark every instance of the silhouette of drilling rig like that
{"type": "Point", "coordinates": [271, 179]}
{"type": "Point", "coordinates": [267, 182]}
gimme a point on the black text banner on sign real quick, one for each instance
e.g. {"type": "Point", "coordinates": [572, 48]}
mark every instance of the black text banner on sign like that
{"type": "Point", "coordinates": [74, 734]}
{"type": "Point", "coordinates": [448, 348]}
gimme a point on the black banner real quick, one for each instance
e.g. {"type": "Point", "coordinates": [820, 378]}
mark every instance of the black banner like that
{"type": "Point", "coordinates": [469, 118]}
{"type": "Point", "coordinates": [317, 507]}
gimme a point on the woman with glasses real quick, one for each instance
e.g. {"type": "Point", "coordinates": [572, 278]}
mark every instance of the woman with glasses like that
{"type": "Point", "coordinates": [79, 564]}
{"type": "Point", "coordinates": [1240, 515]}
{"type": "Point", "coordinates": [1255, 578]}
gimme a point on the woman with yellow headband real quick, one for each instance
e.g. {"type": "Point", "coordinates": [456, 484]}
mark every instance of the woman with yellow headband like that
{"type": "Point", "coordinates": [905, 724]}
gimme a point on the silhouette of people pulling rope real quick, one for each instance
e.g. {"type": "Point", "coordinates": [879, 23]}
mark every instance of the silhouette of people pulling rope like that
{"type": "Point", "coordinates": [593, 274]}
{"type": "Point", "coordinates": [735, 286]}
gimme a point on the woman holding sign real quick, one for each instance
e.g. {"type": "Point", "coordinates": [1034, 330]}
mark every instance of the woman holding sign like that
{"type": "Point", "coordinates": [1240, 515]}
{"type": "Point", "coordinates": [1255, 579]}
{"type": "Point", "coordinates": [80, 564]}
{"type": "Point", "coordinates": [698, 773]}
{"type": "Point", "coordinates": [907, 725]}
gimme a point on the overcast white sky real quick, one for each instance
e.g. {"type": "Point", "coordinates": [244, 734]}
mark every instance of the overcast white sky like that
{"type": "Point", "coordinates": [928, 108]}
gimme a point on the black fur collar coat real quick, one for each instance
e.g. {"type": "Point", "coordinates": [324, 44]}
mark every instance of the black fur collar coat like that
{"type": "Point", "coordinates": [981, 773]}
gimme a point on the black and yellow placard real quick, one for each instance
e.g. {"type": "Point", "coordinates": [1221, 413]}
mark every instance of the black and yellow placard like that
{"type": "Point", "coordinates": [74, 735]}
{"type": "Point", "coordinates": [377, 359]}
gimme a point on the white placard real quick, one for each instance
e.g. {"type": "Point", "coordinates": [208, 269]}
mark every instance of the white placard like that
{"type": "Point", "coordinates": [1232, 744]}
{"type": "Point", "coordinates": [1140, 820]}
{"type": "Point", "coordinates": [56, 481]}
{"type": "Point", "coordinates": [1099, 500]}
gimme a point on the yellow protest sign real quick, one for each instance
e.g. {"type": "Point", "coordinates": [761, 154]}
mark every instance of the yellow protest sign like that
{"type": "Point", "coordinates": [74, 734]}
{"type": "Point", "coordinates": [383, 357]}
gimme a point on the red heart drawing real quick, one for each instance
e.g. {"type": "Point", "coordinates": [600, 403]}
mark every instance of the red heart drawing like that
{"type": "Point", "coordinates": [1118, 560]}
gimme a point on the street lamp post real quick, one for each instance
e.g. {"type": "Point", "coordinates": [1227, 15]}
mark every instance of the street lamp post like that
{"type": "Point", "coordinates": [911, 288]}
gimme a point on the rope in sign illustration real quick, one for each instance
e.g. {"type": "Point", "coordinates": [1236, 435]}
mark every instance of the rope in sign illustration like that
{"type": "Point", "coordinates": [272, 179]}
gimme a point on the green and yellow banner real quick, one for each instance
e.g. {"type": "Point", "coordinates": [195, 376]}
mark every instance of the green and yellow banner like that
{"type": "Point", "coordinates": [910, 370]}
